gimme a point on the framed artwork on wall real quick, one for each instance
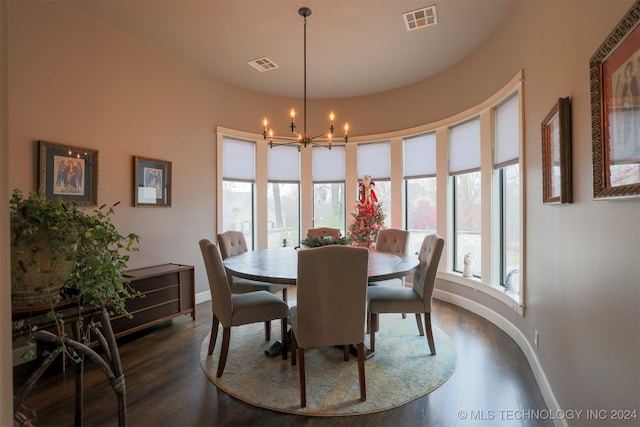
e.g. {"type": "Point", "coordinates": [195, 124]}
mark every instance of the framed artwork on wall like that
{"type": "Point", "coordinates": [556, 154]}
{"type": "Point", "coordinates": [152, 182]}
{"type": "Point", "coordinates": [615, 110]}
{"type": "Point", "coordinates": [67, 172]}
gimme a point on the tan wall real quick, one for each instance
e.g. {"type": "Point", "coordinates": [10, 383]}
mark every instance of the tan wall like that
{"type": "Point", "coordinates": [75, 80]}
{"type": "Point", "coordinates": [6, 378]}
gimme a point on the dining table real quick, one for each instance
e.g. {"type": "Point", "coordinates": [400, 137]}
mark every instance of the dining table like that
{"type": "Point", "coordinates": [280, 265]}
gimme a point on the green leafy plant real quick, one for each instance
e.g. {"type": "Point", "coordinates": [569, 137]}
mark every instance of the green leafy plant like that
{"type": "Point", "coordinates": [89, 242]}
{"type": "Point", "coordinates": [315, 241]}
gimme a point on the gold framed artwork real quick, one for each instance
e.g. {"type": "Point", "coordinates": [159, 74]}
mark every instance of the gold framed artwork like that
{"type": "Point", "coordinates": [68, 172]}
{"type": "Point", "coordinates": [556, 154]}
{"type": "Point", "coordinates": [615, 110]}
{"type": "Point", "coordinates": [152, 182]}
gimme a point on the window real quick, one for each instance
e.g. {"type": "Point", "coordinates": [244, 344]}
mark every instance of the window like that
{"type": "Point", "coordinates": [507, 173]}
{"type": "Point", "coordinates": [374, 160]}
{"type": "Point", "coordinates": [420, 188]}
{"type": "Point", "coordinates": [464, 167]}
{"type": "Point", "coordinates": [328, 187]}
{"type": "Point", "coordinates": [283, 201]}
{"type": "Point", "coordinates": [238, 187]}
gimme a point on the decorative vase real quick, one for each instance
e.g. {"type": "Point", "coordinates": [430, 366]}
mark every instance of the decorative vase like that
{"type": "Point", "coordinates": [37, 275]}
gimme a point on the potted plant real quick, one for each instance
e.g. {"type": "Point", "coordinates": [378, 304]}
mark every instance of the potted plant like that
{"type": "Point", "coordinates": [59, 251]}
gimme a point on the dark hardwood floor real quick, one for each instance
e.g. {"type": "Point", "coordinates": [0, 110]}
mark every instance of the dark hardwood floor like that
{"type": "Point", "coordinates": [166, 387]}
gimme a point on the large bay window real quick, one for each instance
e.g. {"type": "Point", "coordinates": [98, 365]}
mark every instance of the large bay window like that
{"type": "Point", "coordinates": [374, 160]}
{"type": "Point", "coordinates": [420, 207]}
{"type": "Point", "coordinates": [283, 199]}
{"type": "Point", "coordinates": [328, 167]}
{"type": "Point", "coordinates": [507, 175]}
{"type": "Point", "coordinates": [461, 177]}
{"type": "Point", "coordinates": [464, 168]}
{"type": "Point", "coordinates": [238, 186]}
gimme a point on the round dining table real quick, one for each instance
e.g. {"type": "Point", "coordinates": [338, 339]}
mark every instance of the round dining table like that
{"type": "Point", "coordinates": [280, 265]}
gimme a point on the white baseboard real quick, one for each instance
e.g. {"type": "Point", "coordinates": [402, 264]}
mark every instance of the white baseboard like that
{"type": "Point", "coordinates": [517, 335]}
{"type": "Point", "coordinates": [203, 297]}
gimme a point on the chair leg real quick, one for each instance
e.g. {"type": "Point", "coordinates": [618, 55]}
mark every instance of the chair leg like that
{"type": "Point", "coordinates": [283, 332]}
{"type": "Point", "coordinates": [214, 334]}
{"type": "Point", "coordinates": [303, 385]}
{"type": "Point", "coordinates": [345, 349]}
{"type": "Point", "coordinates": [432, 344]}
{"type": "Point", "coordinates": [294, 348]}
{"type": "Point", "coordinates": [226, 335]}
{"type": "Point", "coordinates": [419, 323]}
{"type": "Point", "coordinates": [363, 385]}
{"type": "Point", "coordinates": [267, 330]}
{"type": "Point", "coordinates": [373, 320]}
{"type": "Point", "coordinates": [368, 324]}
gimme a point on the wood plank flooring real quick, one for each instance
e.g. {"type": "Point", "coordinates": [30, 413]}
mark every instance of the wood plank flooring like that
{"type": "Point", "coordinates": [492, 385]}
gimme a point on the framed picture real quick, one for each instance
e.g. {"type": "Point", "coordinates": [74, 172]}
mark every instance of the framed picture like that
{"type": "Point", "coordinates": [68, 173]}
{"type": "Point", "coordinates": [556, 154]}
{"type": "Point", "coordinates": [615, 110]}
{"type": "Point", "coordinates": [152, 182]}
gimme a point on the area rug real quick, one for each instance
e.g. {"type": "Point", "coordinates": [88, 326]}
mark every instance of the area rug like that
{"type": "Point", "coordinates": [401, 370]}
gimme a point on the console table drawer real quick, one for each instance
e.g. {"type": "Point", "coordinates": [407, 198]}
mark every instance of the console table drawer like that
{"type": "Point", "coordinates": [153, 297]}
{"type": "Point", "coordinates": [122, 325]}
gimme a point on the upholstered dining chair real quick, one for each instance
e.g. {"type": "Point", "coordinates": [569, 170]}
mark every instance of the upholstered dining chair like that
{"type": "Point", "coordinates": [233, 243]}
{"type": "Point", "coordinates": [331, 305]}
{"type": "Point", "coordinates": [417, 299]}
{"type": "Point", "coordinates": [392, 240]}
{"type": "Point", "coordinates": [324, 231]}
{"type": "Point", "coordinates": [237, 309]}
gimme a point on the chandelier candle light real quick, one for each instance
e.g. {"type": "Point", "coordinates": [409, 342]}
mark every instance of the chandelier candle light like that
{"type": "Point", "coordinates": [303, 139]}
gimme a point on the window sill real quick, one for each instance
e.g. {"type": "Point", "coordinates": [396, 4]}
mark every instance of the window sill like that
{"type": "Point", "coordinates": [493, 291]}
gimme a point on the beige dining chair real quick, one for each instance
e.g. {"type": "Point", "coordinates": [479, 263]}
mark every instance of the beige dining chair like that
{"type": "Point", "coordinates": [324, 231]}
{"type": "Point", "coordinates": [233, 243]}
{"type": "Point", "coordinates": [417, 299]}
{"type": "Point", "coordinates": [237, 309]}
{"type": "Point", "coordinates": [331, 305]}
{"type": "Point", "coordinates": [392, 240]}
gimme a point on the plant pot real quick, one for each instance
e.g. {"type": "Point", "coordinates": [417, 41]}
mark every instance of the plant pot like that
{"type": "Point", "coordinates": [37, 275]}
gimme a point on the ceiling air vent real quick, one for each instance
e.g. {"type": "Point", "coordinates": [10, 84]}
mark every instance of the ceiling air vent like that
{"type": "Point", "coordinates": [421, 18]}
{"type": "Point", "coordinates": [262, 64]}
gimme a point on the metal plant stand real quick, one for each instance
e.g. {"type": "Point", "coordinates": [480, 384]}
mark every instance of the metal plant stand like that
{"type": "Point", "coordinates": [24, 319]}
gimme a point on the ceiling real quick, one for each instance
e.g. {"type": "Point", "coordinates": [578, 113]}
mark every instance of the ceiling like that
{"type": "Point", "coordinates": [354, 47]}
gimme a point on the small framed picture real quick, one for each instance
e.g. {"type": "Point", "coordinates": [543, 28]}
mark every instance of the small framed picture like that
{"type": "Point", "coordinates": [67, 172]}
{"type": "Point", "coordinates": [152, 182]}
{"type": "Point", "coordinates": [556, 154]}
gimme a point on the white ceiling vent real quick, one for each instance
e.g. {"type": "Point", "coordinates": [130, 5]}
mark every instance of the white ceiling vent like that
{"type": "Point", "coordinates": [262, 64]}
{"type": "Point", "coordinates": [421, 18]}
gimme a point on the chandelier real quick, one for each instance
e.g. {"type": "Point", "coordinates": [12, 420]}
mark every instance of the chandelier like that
{"type": "Point", "coordinates": [302, 138]}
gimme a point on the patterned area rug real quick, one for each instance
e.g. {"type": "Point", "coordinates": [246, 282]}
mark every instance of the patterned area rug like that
{"type": "Point", "coordinates": [401, 370]}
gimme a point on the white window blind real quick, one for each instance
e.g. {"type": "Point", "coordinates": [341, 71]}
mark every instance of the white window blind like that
{"type": "Point", "coordinates": [507, 145]}
{"type": "Point", "coordinates": [238, 159]}
{"type": "Point", "coordinates": [464, 147]}
{"type": "Point", "coordinates": [328, 165]}
{"type": "Point", "coordinates": [284, 164]}
{"type": "Point", "coordinates": [420, 156]}
{"type": "Point", "coordinates": [374, 159]}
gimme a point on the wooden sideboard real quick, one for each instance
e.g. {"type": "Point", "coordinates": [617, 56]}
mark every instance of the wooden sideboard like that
{"type": "Point", "coordinates": [167, 291]}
